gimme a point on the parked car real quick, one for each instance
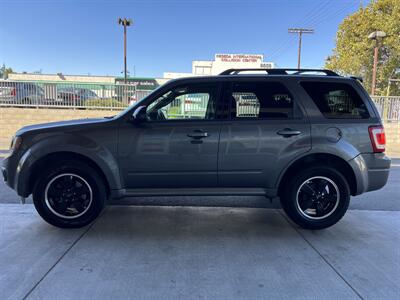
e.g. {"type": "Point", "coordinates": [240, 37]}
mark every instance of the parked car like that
{"type": "Point", "coordinates": [14, 92]}
{"type": "Point", "coordinates": [75, 96]}
{"type": "Point", "coordinates": [295, 144]}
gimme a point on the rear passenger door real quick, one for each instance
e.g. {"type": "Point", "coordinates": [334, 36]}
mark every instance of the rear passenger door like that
{"type": "Point", "coordinates": [265, 130]}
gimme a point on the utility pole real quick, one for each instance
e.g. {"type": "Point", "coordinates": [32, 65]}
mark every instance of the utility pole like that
{"type": "Point", "coordinates": [300, 32]}
{"type": "Point", "coordinates": [125, 22]}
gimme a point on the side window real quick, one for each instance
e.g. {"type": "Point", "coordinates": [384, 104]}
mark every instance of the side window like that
{"type": "Point", "coordinates": [260, 100]}
{"type": "Point", "coordinates": [336, 100]}
{"type": "Point", "coordinates": [185, 102]}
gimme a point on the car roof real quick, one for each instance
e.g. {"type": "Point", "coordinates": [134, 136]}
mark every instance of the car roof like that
{"type": "Point", "coordinates": [216, 78]}
{"type": "Point", "coordinates": [278, 73]}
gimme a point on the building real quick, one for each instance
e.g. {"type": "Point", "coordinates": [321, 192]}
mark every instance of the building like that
{"type": "Point", "coordinates": [141, 83]}
{"type": "Point", "coordinates": [220, 63]}
{"type": "Point", "coordinates": [223, 62]}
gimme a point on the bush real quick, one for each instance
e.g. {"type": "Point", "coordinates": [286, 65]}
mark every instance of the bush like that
{"type": "Point", "coordinates": [112, 103]}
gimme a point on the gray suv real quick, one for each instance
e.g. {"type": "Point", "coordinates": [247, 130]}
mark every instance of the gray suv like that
{"type": "Point", "coordinates": [310, 137]}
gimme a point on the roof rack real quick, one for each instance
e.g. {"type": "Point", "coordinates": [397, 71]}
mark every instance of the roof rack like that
{"type": "Point", "coordinates": [359, 78]}
{"type": "Point", "coordinates": [280, 71]}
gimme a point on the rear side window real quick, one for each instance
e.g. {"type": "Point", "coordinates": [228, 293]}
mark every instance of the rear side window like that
{"type": "Point", "coordinates": [336, 100]}
{"type": "Point", "coordinates": [260, 100]}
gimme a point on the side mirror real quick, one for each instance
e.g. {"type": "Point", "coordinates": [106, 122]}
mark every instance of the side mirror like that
{"type": "Point", "coordinates": [139, 115]}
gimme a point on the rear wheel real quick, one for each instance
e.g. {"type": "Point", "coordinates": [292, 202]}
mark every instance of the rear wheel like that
{"type": "Point", "coordinates": [71, 194]}
{"type": "Point", "coordinates": [316, 198]}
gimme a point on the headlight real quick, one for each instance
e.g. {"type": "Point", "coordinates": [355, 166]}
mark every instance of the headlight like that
{"type": "Point", "coordinates": [16, 143]}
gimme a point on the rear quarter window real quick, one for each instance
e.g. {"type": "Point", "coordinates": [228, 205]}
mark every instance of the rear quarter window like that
{"type": "Point", "coordinates": [336, 100]}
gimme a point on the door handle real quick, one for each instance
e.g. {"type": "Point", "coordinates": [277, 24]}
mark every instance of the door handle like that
{"type": "Point", "coordinates": [198, 134]}
{"type": "Point", "coordinates": [287, 132]}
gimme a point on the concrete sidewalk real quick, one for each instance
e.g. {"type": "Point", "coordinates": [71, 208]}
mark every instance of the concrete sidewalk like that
{"type": "Point", "coordinates": [198, 253]}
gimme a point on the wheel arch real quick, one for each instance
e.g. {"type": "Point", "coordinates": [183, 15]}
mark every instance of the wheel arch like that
{"type": "Point", "coordinates": [47, 159]}
{"type": "Point", "coordinates": [320, 159]}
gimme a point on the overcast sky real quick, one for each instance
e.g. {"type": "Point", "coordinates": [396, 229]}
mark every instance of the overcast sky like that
{"type": "Point", "coordinates": [81, 37]}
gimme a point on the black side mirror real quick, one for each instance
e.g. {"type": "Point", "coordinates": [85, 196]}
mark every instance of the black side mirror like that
{"type": "Point", "coordinates": [139, 115]}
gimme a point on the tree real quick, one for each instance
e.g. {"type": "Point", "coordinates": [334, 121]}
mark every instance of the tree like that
{"type": "Point", "coordinates": [353, 54]}
{"type": "Point", "coordinates": [5, 71]}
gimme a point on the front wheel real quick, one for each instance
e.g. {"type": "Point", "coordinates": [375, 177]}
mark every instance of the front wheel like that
{"type": "Point", "coordinates": [71, 194]}
{"type": "Point", "coordinates": [316, 198]}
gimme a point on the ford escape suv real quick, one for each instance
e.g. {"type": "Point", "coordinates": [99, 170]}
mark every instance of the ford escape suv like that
{"type": "Point", "coordinates": [310, 137]}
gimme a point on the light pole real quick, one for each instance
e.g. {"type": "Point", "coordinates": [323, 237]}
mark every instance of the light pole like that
{"type": "Point", "coordinates": [376, 36]}
{"type": "Point", "coordinates": [125, 22]}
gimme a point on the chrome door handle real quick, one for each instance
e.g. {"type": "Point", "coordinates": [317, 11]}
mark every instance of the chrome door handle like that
{"type": "Point", "coordinates": [198, 134]}
{"type": "Point", "coordinates": [287, 132]}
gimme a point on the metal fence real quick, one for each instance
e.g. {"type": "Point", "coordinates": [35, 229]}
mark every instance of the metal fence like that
{"type": "Point", "coordinates": [388, 107]}
{"type": "Point", "coordinates": [119, 96]}
{"type": "Point", "coordinates": [69, 95]}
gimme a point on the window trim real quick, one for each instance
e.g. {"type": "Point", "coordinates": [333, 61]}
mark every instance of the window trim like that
{"type": "Point", "coordinates": [217, 112]}
{"type": "Point", "coordinates": [348, 84]}
{"type": "Point", "coordinates": [297, 112]}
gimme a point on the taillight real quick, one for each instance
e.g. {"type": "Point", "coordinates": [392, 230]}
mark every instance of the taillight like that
{"type": "Point", "coordinates": [378, 138]}
{"type": "Point", "coordinates": [13, 92]}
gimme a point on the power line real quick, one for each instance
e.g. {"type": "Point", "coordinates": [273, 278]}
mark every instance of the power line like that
{"type": "Point", "coordinates": [300, 32]}
{"type": "Point", "coordinates": [320, 15]}
{"type": "Point", "coordinates": [312, 14]}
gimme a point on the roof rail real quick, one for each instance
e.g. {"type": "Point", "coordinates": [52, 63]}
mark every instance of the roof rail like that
{"type": "Point", "coordinates": [280, 71]}
{"type": "Point", "coordinates": [359, 78]}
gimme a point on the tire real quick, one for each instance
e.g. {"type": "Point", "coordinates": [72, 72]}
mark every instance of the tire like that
{"type": "Point", "coordinates": [69, 194]}
{"type": "Point", "coordinates": [316, 198]}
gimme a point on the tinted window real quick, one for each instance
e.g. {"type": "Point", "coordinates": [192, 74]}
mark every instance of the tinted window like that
{"type": "Point", "coordinates": [336, 100]}
{"type": "Point", "coordinates": [186, 102]}
{"type": "Point", "coordinates": [262, 100]}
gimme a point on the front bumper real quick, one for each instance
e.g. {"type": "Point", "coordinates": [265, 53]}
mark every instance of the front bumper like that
{"type": "Point", "coordinates": [371, 170]}
{"type": "Point", "coordinates": [6, 171]}
{"type": "Point", "coordinates": [11, 172]}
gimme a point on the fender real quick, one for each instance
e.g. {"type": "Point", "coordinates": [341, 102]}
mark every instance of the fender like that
{"type": "Point", "coordinates": [72, 143]}
{"type": "Point", "coordinates": [342, 150]}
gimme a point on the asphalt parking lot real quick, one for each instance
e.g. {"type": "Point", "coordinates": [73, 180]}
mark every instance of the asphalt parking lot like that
{"type": "Point", "coordinates": [157, 249]}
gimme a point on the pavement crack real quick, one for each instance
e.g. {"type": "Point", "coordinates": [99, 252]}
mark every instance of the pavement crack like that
{"type": "Point", "coordinates": [320, 255]}
{"type": "Point", "coordinates": [61, 257]}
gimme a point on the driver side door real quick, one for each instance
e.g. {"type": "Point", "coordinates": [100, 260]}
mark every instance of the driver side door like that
{"type": "Point", "coordinates": [177, 146]}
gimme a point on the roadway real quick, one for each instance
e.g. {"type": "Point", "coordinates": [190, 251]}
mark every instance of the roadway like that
{"type": "Point", "coordinates": [177, 248]}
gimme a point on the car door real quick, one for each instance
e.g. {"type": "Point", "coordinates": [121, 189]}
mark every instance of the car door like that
{"type": "Point", "coordinates": [177, 146]}
{"type": "Point", "coordinates": [265, 130]}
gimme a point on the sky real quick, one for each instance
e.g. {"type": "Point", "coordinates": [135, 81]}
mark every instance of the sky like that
{"type": "Point", "coordinates": [83, 37]}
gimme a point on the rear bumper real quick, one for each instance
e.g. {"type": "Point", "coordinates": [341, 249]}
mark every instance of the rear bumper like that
{"type": "Point", "coordinates": [371, 170]}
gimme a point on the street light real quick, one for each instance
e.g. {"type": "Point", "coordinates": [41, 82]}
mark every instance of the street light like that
{"type": "Point", "coordinates": [377, 36]}
{"type": "Point", "coordinates": [125, 22]}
